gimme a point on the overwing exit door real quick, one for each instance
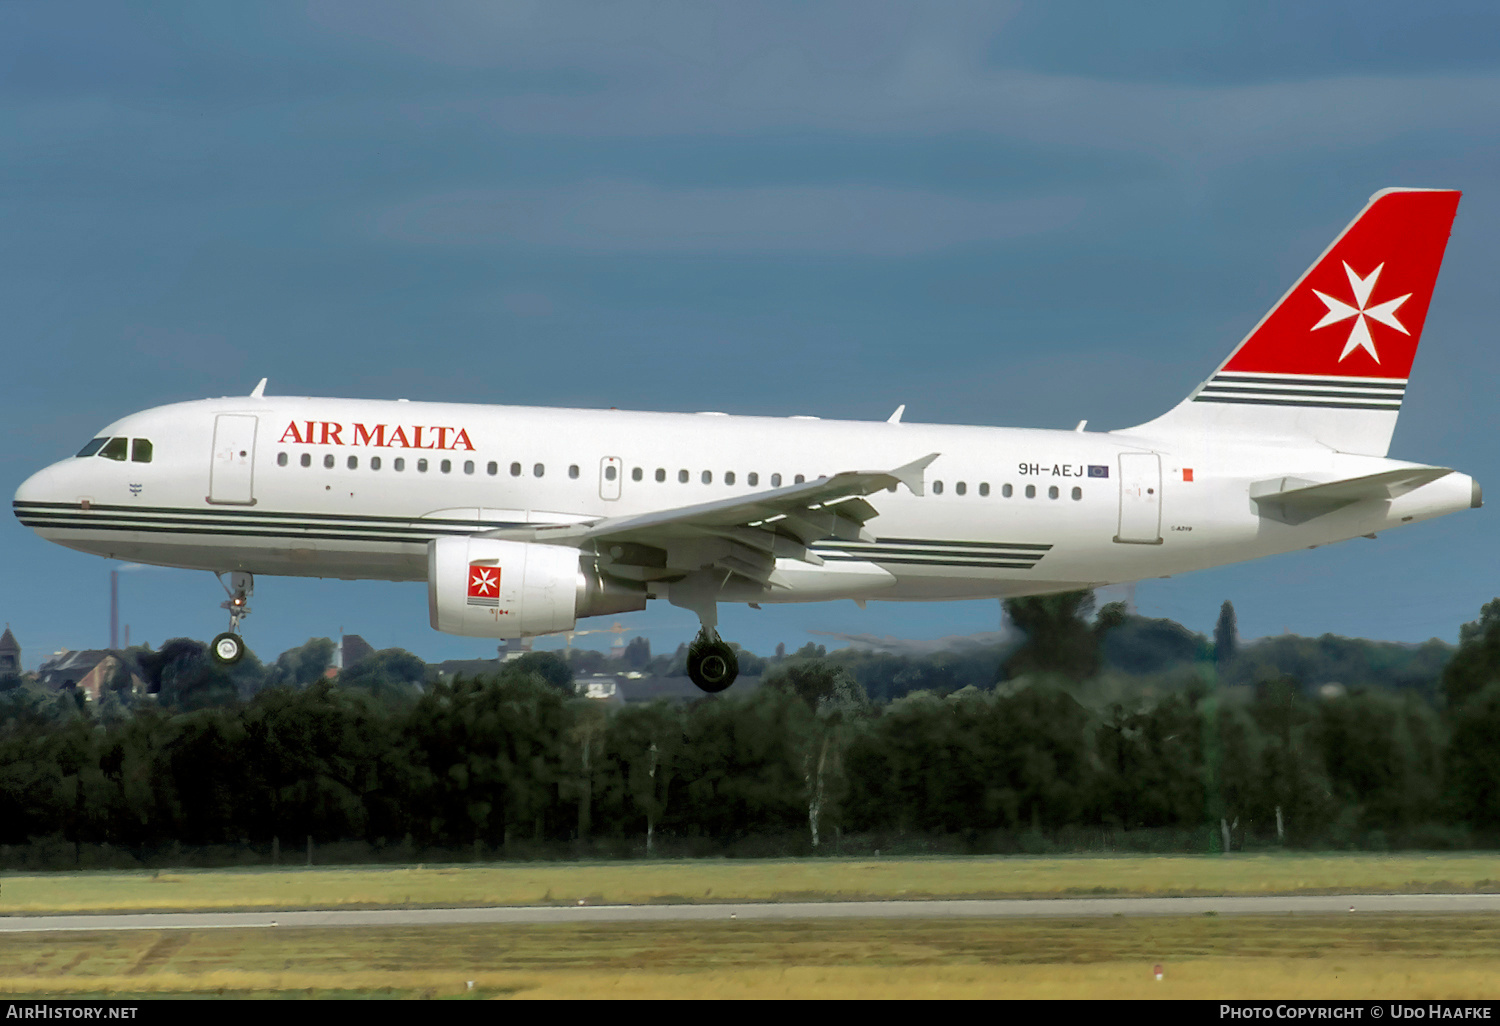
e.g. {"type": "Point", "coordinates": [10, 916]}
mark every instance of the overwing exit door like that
{"type": "Point", "coordinates": [611, 469]}
{"type": "Point", "coordinates": [1140, 498]}
{"type": "Point", "coordinates": [230, 479]}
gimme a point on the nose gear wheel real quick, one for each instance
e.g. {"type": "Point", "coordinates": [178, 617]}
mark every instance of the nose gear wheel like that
{"type": "Point", "coordinates": [229, 648]}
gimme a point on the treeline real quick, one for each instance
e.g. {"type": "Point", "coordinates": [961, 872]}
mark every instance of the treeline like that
{"type": "Point", "coordinates": [1058, 753]}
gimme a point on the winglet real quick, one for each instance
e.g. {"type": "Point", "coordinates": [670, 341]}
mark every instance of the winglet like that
{"type": "Point", "coordinates": [260, 390]}
{"type": "Point", "coordinates": [912, 474]}
{"type": "Point", "coordinates": [895, 418]}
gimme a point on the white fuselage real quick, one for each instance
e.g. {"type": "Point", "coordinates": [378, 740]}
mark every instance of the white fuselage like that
{"type": "Point", "coordinates": [1005, 511]}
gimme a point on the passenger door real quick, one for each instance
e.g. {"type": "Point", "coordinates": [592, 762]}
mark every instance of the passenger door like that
{"type": "Point", "coordinates": [1140, 498]}
{"type": "Point", "coordinates": [231, 477]}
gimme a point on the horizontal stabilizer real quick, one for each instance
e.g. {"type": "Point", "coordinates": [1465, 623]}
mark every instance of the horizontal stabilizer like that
{"type": "Point", "coordinates": [1293, 500]}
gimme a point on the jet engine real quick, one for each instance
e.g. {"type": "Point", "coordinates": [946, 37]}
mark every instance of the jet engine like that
{"type": "Point", "coordinates": [487, 588]}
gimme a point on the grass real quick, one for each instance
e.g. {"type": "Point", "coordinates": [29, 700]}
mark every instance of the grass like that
{"type": "Point", "coordinates": [1396, 957]}
{"type": "Point", "coordinates": [719, 880]}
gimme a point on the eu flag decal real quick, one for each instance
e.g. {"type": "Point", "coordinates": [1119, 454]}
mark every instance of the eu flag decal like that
{"type": "Point", "coordinates": [1098, 471]}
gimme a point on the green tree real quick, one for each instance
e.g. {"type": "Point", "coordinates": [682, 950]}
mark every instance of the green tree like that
{"type": "Point", "coordinates": [817, 682]}
{"type": "Point", "coordinates": [1057, 636]}
{"type": "Point", "coordinates": [392, 674]}
{"type": "Point", "coordinates": [1476, 664]}
{"type": "Point", "coordinates": [637, 653]}
{"type": "Point", "coordinates": [298, 667]}
{"type": "Point", "coordinates": [1226, 636]}
{"type": "Point", "coordinates": [1473, 762]}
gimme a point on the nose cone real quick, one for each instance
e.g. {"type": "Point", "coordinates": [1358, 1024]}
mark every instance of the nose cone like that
{"type": "Point", "coordinates": [45, 486]}
{"type": "Point", "coordinates": [1476, 495]}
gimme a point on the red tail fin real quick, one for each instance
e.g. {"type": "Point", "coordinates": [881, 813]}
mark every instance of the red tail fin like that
{"type": "Point", "coordinates": [1329, 363]}
{"type": "Point", "coordinates": [1359, 311]}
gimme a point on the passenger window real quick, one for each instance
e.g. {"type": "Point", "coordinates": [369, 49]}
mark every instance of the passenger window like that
{"type": "Point", "coordinates": [140, 451]}
{"type": "Point", "coordinates": [374, 462]}
{"type": "Point", "coordinates": [446, 466]}
{"type": "Point", "coordinates": [708, 477]}
{"type": "Point", "coordinates": [398, 464]}
{"type": "Point", "coordinates": [1077, 494]}
{"type": "Point", "coordinates": [573, 471]}
{"type": "Point", "coordinates": [492, 468]}
{"type": "Point", "coordinates": [515, 470]}
{"type": "Point", "coordinates": [661, 475]}
{"type": "Point", "coordinates": [799, 479]}
{"type": "Point", "coordinates": [281, 459]}
{"type": "Point", "coordinates": [752, 479]}
{"type": "Point", "coordinates": [729, 477]}
{"type": "Point", "coordinates": [960, 488]}
{"type": "Point", "coordinates": [353, 462]}
{"type": "Point", "coordinates": [307, 459]}
{"type": "Point", "coordinates": [636, 474]}
{"type": "Point", "coordinates": [682, 477]}
{"type": "Point", "coordinates": [610, 472]}
{"type": "Point", "coordinates": [421, 466]}
{"type": "Point", "coordinates": [538, 470]}
{"type": "Point", "coordinates": [984, 488]}
{"type": "Point", "coordinates": [94, 446]}
{"type": "Point", "coordinates": [1007, 491]}
{"type": "Point", "coordinates": [114, 449]}
{"type": "Point", "coordinates": [775, 480]}
{"type": "Point", "coordinates": [937, 488]}
{"type": "Point", "coordinates": [1052, 492]}
{"type": "Point", "coordinates": [1031, 491]}
{"type": "Point", "coordinates": [328, 461]}
{"type": "Point", "coordinates": [468, 466]}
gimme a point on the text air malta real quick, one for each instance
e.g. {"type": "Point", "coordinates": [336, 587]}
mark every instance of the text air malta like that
{"type": "Point", "coordinates": [523, 520]}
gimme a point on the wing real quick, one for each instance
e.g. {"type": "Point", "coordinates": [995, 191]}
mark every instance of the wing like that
{"type": "Point", "coordinates": [744, 535]}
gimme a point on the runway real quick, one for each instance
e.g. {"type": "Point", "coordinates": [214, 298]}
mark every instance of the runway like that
{"type": "Point", "coordinates": [1054, 908]}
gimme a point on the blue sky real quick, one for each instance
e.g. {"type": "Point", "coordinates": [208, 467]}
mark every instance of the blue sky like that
{"type": "Point", "coordinates": [1016, 214]}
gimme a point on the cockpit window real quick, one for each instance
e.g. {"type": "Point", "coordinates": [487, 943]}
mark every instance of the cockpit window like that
{"type": "Point", "coordinates": [140, 451]}
{"type": "Point", "coordinates": [114, 449]}
{"type": "Point", "coordinates": [94, 446]}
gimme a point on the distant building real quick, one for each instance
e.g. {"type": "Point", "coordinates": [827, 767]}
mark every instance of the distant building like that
{"type": "Point", "coordinates": [631, 688]}
{"type": "Point", "coordinates": [67, 668]}
{"type": "Point", "coordinates": [88, 670]}
{"type": "Point", "coordinates": [10, 653]}
{"type": "Point", "coordinates": [94, 681]}
{"type": "Point", "coordinates": [354, 649]}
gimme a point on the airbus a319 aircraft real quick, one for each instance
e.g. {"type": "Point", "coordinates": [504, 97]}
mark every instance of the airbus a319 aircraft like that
{"type": "Point", "coordinates": [522, 520]}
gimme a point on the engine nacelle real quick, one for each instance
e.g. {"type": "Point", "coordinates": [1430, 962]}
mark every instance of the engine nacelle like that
{"type": "Point", "coordinates": [487, 588]}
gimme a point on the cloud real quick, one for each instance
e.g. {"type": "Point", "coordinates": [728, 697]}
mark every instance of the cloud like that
{"type": "Point", "coordinates": [873, 69]}
{"type": "Point", "coordinates": [623, 216]}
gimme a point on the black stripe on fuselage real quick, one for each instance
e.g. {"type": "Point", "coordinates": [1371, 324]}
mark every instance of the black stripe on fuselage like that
{"type": "Point", "coordinates": [163, 520]}
{"type": "Point", "coordinates": [929, 561]}
{"type": "Point", "coordinates": [240, 514]}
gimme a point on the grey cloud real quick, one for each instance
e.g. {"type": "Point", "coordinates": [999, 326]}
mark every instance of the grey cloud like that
{"type": "Point", "coordinates": [925, 94]}
{"type": "Point", "coordinates": [613, 216]}
{"type": "Point", "coordinates": [608, 70]}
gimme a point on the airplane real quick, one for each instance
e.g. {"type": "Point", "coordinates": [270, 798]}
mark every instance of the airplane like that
{"type": "Point", "coordinates": [524, 520]}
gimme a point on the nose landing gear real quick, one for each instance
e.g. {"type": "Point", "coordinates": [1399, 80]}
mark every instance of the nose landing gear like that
{"type": "Point", "coordinates": [229, 648]}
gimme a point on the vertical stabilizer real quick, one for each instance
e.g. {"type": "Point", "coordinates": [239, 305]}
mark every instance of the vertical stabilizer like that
{"type": "Point", "coordinates": [1329, 364]}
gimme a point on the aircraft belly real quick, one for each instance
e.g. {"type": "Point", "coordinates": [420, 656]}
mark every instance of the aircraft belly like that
{"type": "Point", "coordinates": [295, 557]}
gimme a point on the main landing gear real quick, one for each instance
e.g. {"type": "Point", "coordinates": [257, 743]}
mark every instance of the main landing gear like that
{"type": "Point", "coordinates": [711, 664]}
{"type": "Point", "coordinates": [229, 648]}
